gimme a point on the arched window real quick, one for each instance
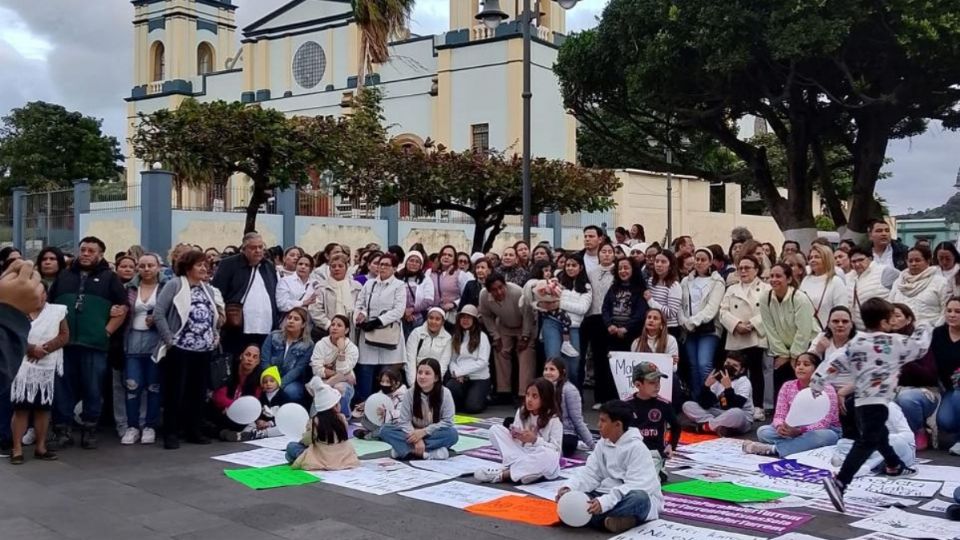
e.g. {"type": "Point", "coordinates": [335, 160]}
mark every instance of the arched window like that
{"type": "Point", "coordinates": [159, 63]}
{"type": "Point", "coordinates": [205, 60]}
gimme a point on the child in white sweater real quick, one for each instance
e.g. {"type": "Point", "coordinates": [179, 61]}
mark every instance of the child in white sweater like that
{"type": "Point", "coordinates": [727, 409]}
{"type": "Point", "coordinates": [530, 448]}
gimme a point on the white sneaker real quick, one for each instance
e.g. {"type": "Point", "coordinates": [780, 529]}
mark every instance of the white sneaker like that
{"type": "Point", "coordinates": [149, 436]}
{"type": "Point", "coordinates": [439, 453]}
{"type": "Point", "coordinates": [567, 349]}
{"type": "Point", "coordinates": [955, 449]}
{"type": "Point", "coordinates": [29, 437]}
{"type": "Point", "coordinates": [596, 406]}
{"type": "Point", "coordinates": [131, 436]}
{"type": "Point", "coordinates": [758, 415]}
{"type": "Point", "coordinates": [489, 475]}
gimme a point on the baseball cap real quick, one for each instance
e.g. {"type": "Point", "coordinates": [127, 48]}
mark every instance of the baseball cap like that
{"type": "Point", "coordinates": [647, 371]}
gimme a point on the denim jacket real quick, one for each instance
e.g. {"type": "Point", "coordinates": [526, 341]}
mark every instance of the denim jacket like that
{"type": "Point", "coordinates": [292, 362]}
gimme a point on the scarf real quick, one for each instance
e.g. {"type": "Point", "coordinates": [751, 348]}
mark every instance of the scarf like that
{"type": "Point", "coordinates": [343, 304]}
{"type": "Point", "coordinates": [912, 285]}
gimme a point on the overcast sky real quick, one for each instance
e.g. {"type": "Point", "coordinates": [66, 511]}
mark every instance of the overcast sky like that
{"type": "Point", "coordinates": [79, 53]}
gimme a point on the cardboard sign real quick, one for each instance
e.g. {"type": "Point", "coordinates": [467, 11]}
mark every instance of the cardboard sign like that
{"type": "Point", "coordinates": [530, 510]}
{"type": "Point", "coordinates": [732, 515]}
{"type": "Point", "coordinates": [621, 366]}
{"type": "Point", "coordinates": [723, 491]}
{"type": "Point", "coordinates": [789, 468]}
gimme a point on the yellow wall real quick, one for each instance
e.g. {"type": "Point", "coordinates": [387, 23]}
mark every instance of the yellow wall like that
{"type": "Point", "coordinates": [462, 13]}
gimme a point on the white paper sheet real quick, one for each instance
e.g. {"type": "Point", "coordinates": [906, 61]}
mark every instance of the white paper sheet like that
{"type": "Point", "coordinates": [853, 509]}
{"type": "Point", "coordinates": [818, 457]}
{"type": "Point", "coordinates": [469, 443]}
{"type": "Point", "coordinates": [745, 462]}
{"type": "Point", "coordinates": [621, 368]}
{"type": "Point", "coordinates": [784, 485]}
{"type": "Point", "coordinates": [879, 500]}
{"type": "Point", "coordinates": [896, 521]}
{"type": "Point", "coordinates": [261, 457]}
{"type": "Point", "coordinates": [571, 472]}
{"type": "Point", "coordinates": [275, 443]}
{"type": "Point", "coordinates": [936, 506]}
{"type": "Point", "coordinates": [948, 489]}
{"type": "Point", "coordinates": [454, 467]}
{"type": "Point", "coordinates": [879, 536]}
{"type": "Point", "coordinates": [474, 431]}
{"type": "Point", "coordinates": [796, 536]}
{"type": "Point", "coordinates": [723, 445]}
{"type": "Point", "coordinates": [380, 480]}
{"type": "Point", "coordinates": [940, 473]}
{"type": "Point", "coordinates": [790, 501]}
{"type": "Point", "coordinates": [456, 494]}
{"type": "Point", "coordinates": [662, 528]}
{"type": "Point", "coordinates": [544, 490]}
{"type": "Point", "coordinates": [896, 486]}
{"type": "Point", "coordinates": [712, 474]}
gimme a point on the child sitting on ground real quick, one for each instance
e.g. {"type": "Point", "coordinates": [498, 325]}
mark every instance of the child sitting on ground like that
{"type": "Point", "coordinates": [873, 358]}
{"type": "Point", "coordinates": [391, 385]}
{"type": "Point", "coordinates": [727, 408]}
{"type": "Point", "coordinates": [619, 476]}
{"type": "Point", "coordinates": [653, 414]}
{"type": "Point", "coordinates": [546, 296]}
{"type": "Point", "coordinates": [324, 445]}
{"type": "Point", "coordinates": [271, 399]}
{"type": "Point", "coordinates": [530, 447]}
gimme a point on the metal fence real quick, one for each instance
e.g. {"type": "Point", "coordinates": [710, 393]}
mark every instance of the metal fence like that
{"type": "Point", "coordinates": [114, 197]}
{"type": "Point", "coordinates": [218, 198]}
{"type": "Point", "coordinates": [323, 203]}
{"type": "Point", "coordinates": [412, 212]}
{"type": "Point", "coordinates": [6, 220]}
{"type": "Point", "coordinates": [48, 221]}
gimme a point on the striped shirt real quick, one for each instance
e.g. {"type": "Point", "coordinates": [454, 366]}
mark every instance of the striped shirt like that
{"type": "Point", "coordinates": [667, 300]}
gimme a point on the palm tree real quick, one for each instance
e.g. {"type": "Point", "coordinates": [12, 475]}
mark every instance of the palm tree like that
{"type": "Point", "coordinates": [378, 20]}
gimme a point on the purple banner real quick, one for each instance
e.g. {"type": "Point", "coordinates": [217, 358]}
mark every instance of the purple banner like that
{"type": "Point", "coordinates": [790, 468]}
{"type": "Point", "coordinates": [732, 515]}
{"type": "Point", "coordinates": [491, 453]}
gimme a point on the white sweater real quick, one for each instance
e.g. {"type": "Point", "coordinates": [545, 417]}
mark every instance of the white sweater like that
{"type": "Point", "coordinates": [926, 298]}
{"type": "Point", "coordinates": [874, 282]}
{"type": "Point", "coordinates": [706, 310]}
{"type": "Point", "coordinates": [824, 295]}
{"type": "Point", "coordinates": [576, 305]}
{"type": "Point", "coordinates": [326, 354]}
{"type": "Point", "coordinates": [474, 365]}
{"type": "Point", "coordinates": [421, 345]}
{"type": "Point", "coordinates": [551, 436]}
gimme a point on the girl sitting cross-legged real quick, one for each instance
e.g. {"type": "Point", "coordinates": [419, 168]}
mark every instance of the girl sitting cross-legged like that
{"type": "Point", "coordinates": [425, 427]}
{"type": "Point", "coordinates": [324, 445]}
{"type": "Point", "coordinates": [530, 448]}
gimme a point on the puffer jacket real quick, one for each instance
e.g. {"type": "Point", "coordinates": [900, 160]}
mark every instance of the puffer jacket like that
{"type": "Point", "coordinates": [693, 316]}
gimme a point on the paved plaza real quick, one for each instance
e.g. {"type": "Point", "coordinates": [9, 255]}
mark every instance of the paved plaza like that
{"type": "Point", "coordinates": [147, 493]}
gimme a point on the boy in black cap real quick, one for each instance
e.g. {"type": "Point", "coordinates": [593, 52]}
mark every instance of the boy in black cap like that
{"type": "Point", "coordinates": [653, 414]}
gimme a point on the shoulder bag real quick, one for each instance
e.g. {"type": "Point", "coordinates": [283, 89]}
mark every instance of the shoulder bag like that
{"type": "Point", "coordinates": [385, 337]}
{"type": "Point", "coordinates": [233, 312]}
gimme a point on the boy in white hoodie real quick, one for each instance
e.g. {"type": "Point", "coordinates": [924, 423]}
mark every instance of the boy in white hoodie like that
{"type": "Point", "coordinates": [873, 360]}
{"type": "Point", "coordinates": [619, 476]}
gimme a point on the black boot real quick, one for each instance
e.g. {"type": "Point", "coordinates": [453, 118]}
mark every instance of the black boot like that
{"type": "Point", "coordinates": [88, 437]}
{"type": "Point", "coordinates": [62, 437]}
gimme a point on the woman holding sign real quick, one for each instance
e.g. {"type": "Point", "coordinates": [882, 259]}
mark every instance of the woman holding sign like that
{"type": "Point", "coordinates": [782, 439]}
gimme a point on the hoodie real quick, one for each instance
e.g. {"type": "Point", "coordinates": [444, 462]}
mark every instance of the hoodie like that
{"type": "Point", "coordinates": [615, 469]}
{"type": "Point", "coordinates": [88, 294]}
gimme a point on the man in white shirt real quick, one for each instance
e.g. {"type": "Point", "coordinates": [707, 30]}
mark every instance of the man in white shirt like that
{"type": "Point", "coordinates": [248, 284]}
{"type": "Point", "coordinates": [868, 280]}
{"type": "Point", "coordinates": [591, 247]}
{"type": "Point", "coordinates": [886, 251]}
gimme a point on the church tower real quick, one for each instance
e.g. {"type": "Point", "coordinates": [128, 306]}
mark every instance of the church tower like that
{"type": "Point", "coordinates": [552, 16]}
{"type": "Point", "coordinates": [177, 40]}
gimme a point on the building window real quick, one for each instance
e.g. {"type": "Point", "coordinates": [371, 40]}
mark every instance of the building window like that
{"type": "Point", "coordinates": [309, 63]}
{"type": "Point", "coordinates": [205, 60]}
{"type": "Point", "coordinates": [480, 137]}
{"type": "Point", "coordinates": [159, 65]}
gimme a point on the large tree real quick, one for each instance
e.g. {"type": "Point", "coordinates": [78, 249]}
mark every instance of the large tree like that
{"type": "Point", "coordinates": [820, 74]}
{"type": "Point", "coordinates": [45, 146]}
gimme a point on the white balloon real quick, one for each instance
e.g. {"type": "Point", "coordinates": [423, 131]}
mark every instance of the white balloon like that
{"type": "Point", "coordinates": [244, 410]}
{"type": "Point", "coordinates": [371, 409]}
{"type": "Point", "coordinates": [292, 420]}
{"type": "Point", "coordinates": [573, 508]}
{"type": "Point", "coordinates": [806, 410]}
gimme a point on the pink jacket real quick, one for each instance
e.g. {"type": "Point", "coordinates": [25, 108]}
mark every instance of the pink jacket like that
{"type": "Point", "coordinates": [785, 398]}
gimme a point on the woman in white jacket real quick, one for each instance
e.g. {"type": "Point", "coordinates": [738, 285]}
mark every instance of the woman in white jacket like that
{"type": "Point", "coordinates": [740, 315]}
{"type": "Point", "coordinates": [336, 295]}
{"type": "Point", "coordinates": [334, 358]}
{"type": "Point", "coordinates": [575, 299]}
{"type": "Point", "coordinates": [530, 447]}
{"type": "Point", "coordinates": [378, 312]}
{"type": "Point", "coordinates": [822, 285]}
{"type": "Point", "coordinates": [429, 340]}
{"type": "Point", "coordinates": [469, 373]}
{"type": "Point", "coordinates": [922, 287]}
{"type": "Point", "coordinates": [702, 292]}
{"type": "Point", "coordinates": [297, 289]}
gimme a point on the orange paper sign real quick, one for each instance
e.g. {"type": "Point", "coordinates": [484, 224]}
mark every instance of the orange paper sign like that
{"type": "Point", "coordinates": [531, 510]}
{"type": "Point", "coordinates": [687, 437]}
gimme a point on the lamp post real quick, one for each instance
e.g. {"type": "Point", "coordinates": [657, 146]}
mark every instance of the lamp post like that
{"type": "Point", "coordinates": [491, 15]}
{"type": "Point", "coordinates": [669, 152]}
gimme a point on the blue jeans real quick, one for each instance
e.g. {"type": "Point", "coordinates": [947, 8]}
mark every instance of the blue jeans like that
{"type": "Point", "coordinates": [809, 440]}
{"type": "Point", "coordinates": [294, 450]}
{"type": "Point", "coordinates": [700, 351]}
{"type": "Point", "coordinates": [346, 392]}
{"type": "Point", "coordinates": [948, 416]}
{"type": "Point", "coordinates": [368, 376]}
{"type": "Point", "coordinates": [142, 373]}
{"type": "Point", "coordinates": [634, 504]}
{"type": "Point", "coordinates": [83, 375]}
{"type": "Point", "coordinates": [396, 437]}
{"type": "Point", "coordinates": [916, 406]}
{"type": "Point", "coordinates": [552, 332]}
{"type": "Point", "coordinates": [295, 392]}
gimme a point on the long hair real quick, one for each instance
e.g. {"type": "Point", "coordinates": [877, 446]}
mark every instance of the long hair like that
{"type": "Point", "coordinates": [853, 326]}
{"type": "Point", "coordinates": [673, 273]}
{"type": "Point", "coordinates": [61, 261]}
{"type": "Point", "coordinates": [635, 284]}
{"type": "Point", "coordinates": [662, 336]}
{"type": "Point", "coordinates": [561, 380]}
{"type": "Point", "coordinates": [458, 334]}
{"type": "Point", "coordinates": [548, 402]}
{"type": "Point", "coordinates": [328, 427]}
{"type": "Point", "coordinates": [434, 398]}
{"type": "Point", "coordinates": [305, 317]}
{"type": "Point", "coordinates": [577, 284]}
{"type": "Point", "coordinates": [908, 313]}
{"type": "Point", "coordinates": [453, 265]}
{"type": "Point", "coordinates": [536, 270]}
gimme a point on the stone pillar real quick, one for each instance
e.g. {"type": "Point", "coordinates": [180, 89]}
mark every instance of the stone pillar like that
{"type": "Point", "coordinates": [555, 222]}
{"type": "Point", "coordinates": [156, 211]}
{"type": "Point", "coordinates": [392, 215]}
{"type": "Point", "coordinates": [81, 205]}
{"type": "Point", "coordinates": [287, 207]}
{"type": "Point", "coordinates": [19, 216]}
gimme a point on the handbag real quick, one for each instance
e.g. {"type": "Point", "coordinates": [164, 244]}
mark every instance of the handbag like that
{"type": "Point", "coordinates": [385, 337]}
{"type": "Point", "coordinates": [708, 327]}
{"type": "Point", "coordinates": [233, 312]}
{"type": "Point", "coordinates": [220, 369]}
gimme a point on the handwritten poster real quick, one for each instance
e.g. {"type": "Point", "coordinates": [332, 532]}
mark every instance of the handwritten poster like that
{"type": "Point", "coordinates": [708, 474]}
{"type": "Point", "coordinates": [270, 477]}
{"type": "Point", "coordinates": [621, 366]}
{"type": "Point", "coordinates": [744, 462]}
{"type": "Point", "coordinates": [796, 536]}
{"type": "Point", "coordinates": [936, 506]}
{"type": "Point", "coordinates": [896, 487]}
{"type": "Point", "coordinates": [723, 446]}
{"type": "Point", "coordinates": [942, 473]}
{"type": "Point", "coordinates": [785, 485]}
{"type": "Point", "coordinates": [853, 509]}
{"type": "Point", "coordinates": [381, 480]}
{"type": "Point", "coordinates": [275, 443]}
{"type": "Point", "coordinates": [453, 467]}
{"type": "Point", "coordinates": [907, 525]}
{"type": "Point", "coordinates": [456, 494]}
{"type": "Point", "coordinates": [261, 457]}
{"type": "Point", "coordinates": [732, 515]}
{"type": "Point", "coordinates": [818, 457]}
{"type": "Point", "coordinates": [724, 491]}
{"type": "Point", "coordinates": [662, 528]}
{"type": "Point", "coordinates": [530, 510]}
{"type": "Point", "coordinates": [789, 468]}
{"type": "Point", "coordinates": [544, 490]}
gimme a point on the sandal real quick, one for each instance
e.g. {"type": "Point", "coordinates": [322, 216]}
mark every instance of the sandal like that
{"type": "Point", "coordinates": [16, 460]}
{"type": "Point", "coordinates": [49, 455]}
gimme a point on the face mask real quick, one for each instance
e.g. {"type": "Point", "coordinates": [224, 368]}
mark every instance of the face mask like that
{"type": "Point", "coordinates": [386, 388]}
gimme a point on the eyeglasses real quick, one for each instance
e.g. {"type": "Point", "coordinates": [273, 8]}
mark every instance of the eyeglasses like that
{"type": "Point", "coordinates": [858, 260]}
{"type": "Point", "coordinates": [747, 267]}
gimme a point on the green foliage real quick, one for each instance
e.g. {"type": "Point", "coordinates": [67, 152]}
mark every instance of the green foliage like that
{"type": "Point", "coordinates": [44, 146]}
{"type": "Point", "coordinates": [825, 223]}
{"type": "Point", "coordinates": [949, 210]}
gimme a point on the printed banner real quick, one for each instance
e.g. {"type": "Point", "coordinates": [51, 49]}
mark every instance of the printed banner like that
{"type": "Point", "coordinates": [790, 468]}
{"type": "Point", "coordinates": [732, 515]}
{"type": "Point", "coordinates": [621, 366]}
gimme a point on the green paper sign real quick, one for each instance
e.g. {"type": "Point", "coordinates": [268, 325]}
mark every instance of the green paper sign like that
{"type": "Point", "coordinates": [270, 477]}
{"type": "Point", "coordinates": [723, 491]}
{"type": "Point", "coordinates": [464, 419]}
{"type": "Point", "coordinates": [465, 444]}
{"type": "Point", "coordinates": [365, 447]}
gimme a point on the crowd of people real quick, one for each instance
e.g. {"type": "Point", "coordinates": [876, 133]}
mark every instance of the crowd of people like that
{"type": "Point", "coordinates": [167, 344]}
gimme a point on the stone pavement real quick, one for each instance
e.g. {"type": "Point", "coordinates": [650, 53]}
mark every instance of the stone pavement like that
{"type": "Point", "coordinates": [147, 493]}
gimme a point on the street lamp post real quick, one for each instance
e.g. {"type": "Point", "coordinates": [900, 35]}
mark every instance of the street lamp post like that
{"type": "Point", "coordinates": [491, 15]}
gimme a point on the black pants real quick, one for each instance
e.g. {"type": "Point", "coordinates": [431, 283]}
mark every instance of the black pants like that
{"type": "Point", "coordinates": [234, 341]}
{"type": "Point", "coordinates": [753, 358]}
{"type": "Point", "coordinates": [470, 397]}
{"type": "Point", "coordinates": [848, 420]}
{"type": "Point", "coordinates": [569, 445]}
{"type": "Point", "coordinates": [601, 343]}
{"type": "Point", "coordinates": [781, 375]}
{"type": "Point", "coordinates": [183, 387]}
{"type": "Point", "coordinates": [873, 436]}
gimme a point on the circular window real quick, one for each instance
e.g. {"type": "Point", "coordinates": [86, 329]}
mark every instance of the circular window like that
{"type": "Point", "coordinates": [309, 64]}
